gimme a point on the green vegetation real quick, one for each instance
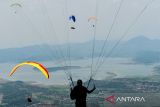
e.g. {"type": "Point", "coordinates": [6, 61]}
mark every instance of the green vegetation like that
{"type": "Point", "coordinates": [14, 94]}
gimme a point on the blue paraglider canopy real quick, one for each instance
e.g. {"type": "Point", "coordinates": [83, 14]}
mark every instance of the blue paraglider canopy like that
{"type": "Point", "coordinates": [73, 18]}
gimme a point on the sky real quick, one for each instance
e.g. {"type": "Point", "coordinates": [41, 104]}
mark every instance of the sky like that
{"type": "Point", "coordinates": [46, 21]}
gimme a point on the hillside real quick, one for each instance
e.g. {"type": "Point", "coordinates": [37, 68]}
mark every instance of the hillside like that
{"type": "Point", "coordinates": [140, 49]}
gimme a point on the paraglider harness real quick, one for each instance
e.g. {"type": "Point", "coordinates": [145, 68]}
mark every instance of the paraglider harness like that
{"type": "Point", "coordinates": [72, 83]}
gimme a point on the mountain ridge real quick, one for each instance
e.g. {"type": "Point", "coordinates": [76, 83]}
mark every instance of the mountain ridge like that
{"type": "Point", "coordinates": [134, 48]}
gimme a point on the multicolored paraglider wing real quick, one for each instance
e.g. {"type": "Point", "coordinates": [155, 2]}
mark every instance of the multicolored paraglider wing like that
{"type": "Point", "coordinates": [35, 64]}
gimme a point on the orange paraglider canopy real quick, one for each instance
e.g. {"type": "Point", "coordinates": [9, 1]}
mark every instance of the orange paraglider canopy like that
{"type": "Point", "coordinates": [34, 64]}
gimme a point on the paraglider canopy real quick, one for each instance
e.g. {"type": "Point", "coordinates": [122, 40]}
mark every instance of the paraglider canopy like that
{"type": "Point", "coordinates": [72, 18]}
{"type": "Point", "coordinates": [92, 20]}
{"type": "Point", "coordinates": [16, 6]}
{"type": "Point", "coordinates": [35, 64]}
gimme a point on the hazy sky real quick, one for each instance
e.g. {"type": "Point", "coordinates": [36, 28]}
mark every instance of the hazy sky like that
{"type": "Point", "coordinates": [39, 21]}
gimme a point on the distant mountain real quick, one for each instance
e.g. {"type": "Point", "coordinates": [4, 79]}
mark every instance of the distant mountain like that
{"type": "Point", "coordinates": [140, 48]}
{"type": "Point", "coordinates": [24, 53]}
